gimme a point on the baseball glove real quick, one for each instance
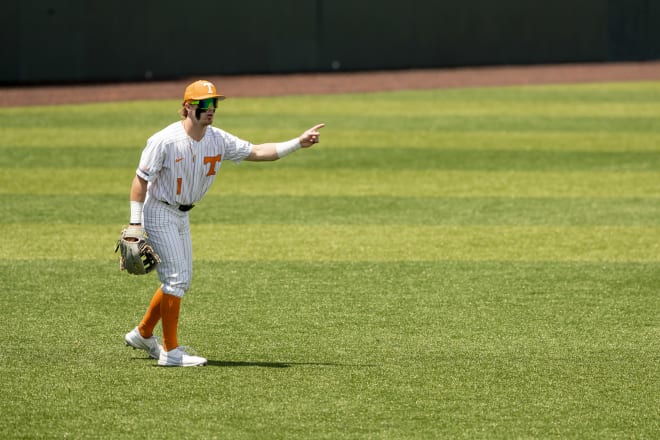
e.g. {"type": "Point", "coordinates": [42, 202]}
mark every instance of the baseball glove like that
{"type": "Point", "coordinates": [136, 257]}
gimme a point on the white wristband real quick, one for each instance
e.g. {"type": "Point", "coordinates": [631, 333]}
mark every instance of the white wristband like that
{"type": "Point", "coordinates": [136, 212]}
{"type": "Point", "coordinates": [288, 147]}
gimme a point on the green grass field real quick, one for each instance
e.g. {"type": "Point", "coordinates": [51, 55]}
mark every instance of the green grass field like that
{"type": "Point", "coordinates": [468, 263]}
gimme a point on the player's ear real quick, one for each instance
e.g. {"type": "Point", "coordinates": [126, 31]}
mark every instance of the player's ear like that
{"type": "Point", "coordinates": [185, 109]}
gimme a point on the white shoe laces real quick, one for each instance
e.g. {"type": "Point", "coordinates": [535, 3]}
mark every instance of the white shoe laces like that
{"type": "Point", "coordinates": [187, 350]}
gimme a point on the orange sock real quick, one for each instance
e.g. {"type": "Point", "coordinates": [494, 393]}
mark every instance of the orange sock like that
{"type": "Point", "coordinates": [152, 316]}
{"type": "Point", "coordinates": [169, 310]}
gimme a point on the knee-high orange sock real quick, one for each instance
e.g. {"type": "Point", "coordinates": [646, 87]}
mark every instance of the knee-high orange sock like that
{"type": "Point", "coordinates": [169, 310]}
{"type": "Point", "coordinates": [152, 316]}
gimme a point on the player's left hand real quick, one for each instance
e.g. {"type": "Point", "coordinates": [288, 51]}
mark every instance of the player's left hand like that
{"type": "Point", "coordinates": [311, 136]}
{"type": "Point", "coordinates": [136, 256]}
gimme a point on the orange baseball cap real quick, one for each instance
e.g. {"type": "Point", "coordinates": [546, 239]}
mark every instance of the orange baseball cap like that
{"type": "Point", "coordinates": [201, 89]}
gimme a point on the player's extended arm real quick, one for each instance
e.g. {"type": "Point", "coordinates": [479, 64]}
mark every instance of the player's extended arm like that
{"type": "Point", "coordinates": [274, 151]}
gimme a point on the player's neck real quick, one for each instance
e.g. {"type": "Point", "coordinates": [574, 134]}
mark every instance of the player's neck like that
{"type": "Point", "coordinates": [195, 131]}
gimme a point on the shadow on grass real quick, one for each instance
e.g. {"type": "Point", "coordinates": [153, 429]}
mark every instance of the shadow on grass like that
{"type": "Point", "coordinates": [230, 364]}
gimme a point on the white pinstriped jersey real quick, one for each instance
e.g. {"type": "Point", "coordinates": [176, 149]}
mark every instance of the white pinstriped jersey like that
{"type": "Point", "coordinates": [181, 170]}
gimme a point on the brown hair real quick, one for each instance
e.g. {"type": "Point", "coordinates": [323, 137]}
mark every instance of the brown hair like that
{"type": "Point", "coordinates": [183, 111]}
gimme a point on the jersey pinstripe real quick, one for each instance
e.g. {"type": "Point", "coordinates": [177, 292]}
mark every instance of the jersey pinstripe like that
{"type": "Point", "coordinates": [181, 170]}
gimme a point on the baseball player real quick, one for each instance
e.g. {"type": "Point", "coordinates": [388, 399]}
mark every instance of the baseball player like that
{"type": "Point", "coordinates": [177, 167]}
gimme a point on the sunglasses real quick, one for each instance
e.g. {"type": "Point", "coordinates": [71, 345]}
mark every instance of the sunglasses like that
{"type": "Point", "coordinates": [205, 104]}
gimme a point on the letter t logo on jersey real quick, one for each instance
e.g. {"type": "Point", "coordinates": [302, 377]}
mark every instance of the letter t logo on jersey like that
{"type": "Point", "coordinates": [212, 160]}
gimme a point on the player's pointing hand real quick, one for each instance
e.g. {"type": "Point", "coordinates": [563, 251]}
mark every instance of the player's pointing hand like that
{"type": "Point", "coordinates": [311, 136]}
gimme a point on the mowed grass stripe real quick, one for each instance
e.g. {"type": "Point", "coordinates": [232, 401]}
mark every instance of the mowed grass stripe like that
{"type": "Point", "coordinates": [498, 139]}
{"type": "Point", "coordinates": [355, 243]}
{"type": "Point", "coordinates": [348, 210]}
{"type": "Point", "coordinates": [488, 122]}
{"type": "Point", "coordinates": [128, 142]}
{"type": "Point", "coordinates": [383, 158]}
{"type": "Point", "coordinates": [259, 179]}
{"type": "Point", "coordinates": [394, 122]}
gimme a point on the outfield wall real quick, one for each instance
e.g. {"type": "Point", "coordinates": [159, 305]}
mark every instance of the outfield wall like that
{"type": "Point", "coordinates": [82, 40]}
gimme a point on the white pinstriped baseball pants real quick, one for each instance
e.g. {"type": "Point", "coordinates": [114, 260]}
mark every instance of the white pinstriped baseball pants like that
{"type": "Point", "coordinates": [169, 235]}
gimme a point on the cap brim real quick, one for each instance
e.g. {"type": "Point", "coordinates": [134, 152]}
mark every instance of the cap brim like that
{"type": "Point", "coordinates": [210, 95]}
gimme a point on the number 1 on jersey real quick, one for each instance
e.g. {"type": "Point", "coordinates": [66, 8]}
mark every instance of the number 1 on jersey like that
{"type": "Point", "coordinates": [179, 181]}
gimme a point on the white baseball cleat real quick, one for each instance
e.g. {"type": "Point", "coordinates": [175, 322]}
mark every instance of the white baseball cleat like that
{"type": "Point", "coordinates": [150, 345]}
{"type": "Point", "coordinates": [179, 357]}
